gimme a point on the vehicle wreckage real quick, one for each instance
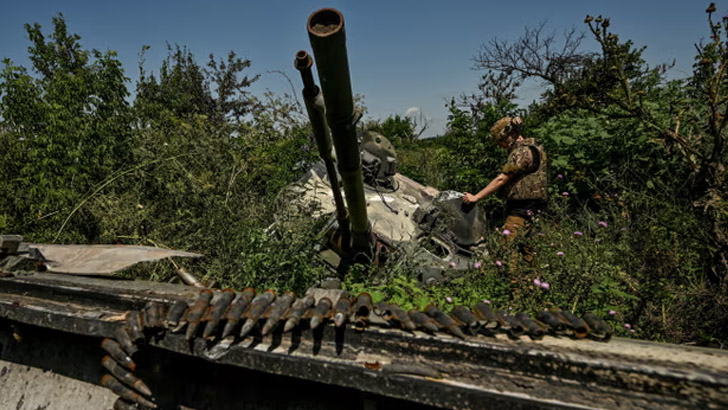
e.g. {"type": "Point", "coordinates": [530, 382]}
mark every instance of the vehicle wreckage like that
{"type": "Point", "coordinates": [71, 339]}
{"type": "Point", "coordinates": [380, 209]}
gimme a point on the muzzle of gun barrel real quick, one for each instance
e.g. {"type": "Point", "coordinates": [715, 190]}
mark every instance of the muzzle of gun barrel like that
{"type": "Point", "coordinates": [398, 315]}
{"type": "Point", "coordinates": [515, 327]}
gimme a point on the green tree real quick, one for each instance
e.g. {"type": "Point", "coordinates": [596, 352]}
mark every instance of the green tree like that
{"type": "Point", "coordinates": [690, 122]}
{"type": "Point", "coordinates": [68, 124]}
{"type": "Point", "coordinates": [399, 130]}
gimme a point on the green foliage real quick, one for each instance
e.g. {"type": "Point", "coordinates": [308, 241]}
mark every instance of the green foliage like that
{"type": "Point", "coordinates": [67, 129]}
{"type": "Point", "coordinates": [225, 155]}
{"type": "Point", "coordinates": [197, 163]}
{"type": "Point", "coordinates": [618, 156]}
{"type": "Point", "coordinates": [399, 130]}
{"type": "Point", "coordinates": [194, 164]}
{"type": "Point", "coordinates": [461, 157]}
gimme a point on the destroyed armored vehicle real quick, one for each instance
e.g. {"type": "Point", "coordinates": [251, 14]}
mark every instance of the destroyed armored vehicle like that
{"type": "Point", "coordinates": [380, 211]}
{"type": "Point", "coordinates": [170, 346]}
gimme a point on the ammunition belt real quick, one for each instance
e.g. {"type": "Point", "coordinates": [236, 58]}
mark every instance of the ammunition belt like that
{"type": "Point", "coordinates": [225, 317]}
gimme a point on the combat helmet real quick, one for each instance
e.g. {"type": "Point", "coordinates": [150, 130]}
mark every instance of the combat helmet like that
{"type": "Point", "coordinates": [504, 127]}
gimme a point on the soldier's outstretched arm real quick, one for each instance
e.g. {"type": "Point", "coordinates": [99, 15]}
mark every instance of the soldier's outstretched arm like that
{"type": "Point", "coordinates": [492, 187]}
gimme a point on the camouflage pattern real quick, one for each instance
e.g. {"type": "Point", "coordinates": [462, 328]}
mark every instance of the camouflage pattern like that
{"type": "Point", "coordinates": [504, 127]}
{"type": "Point", "coordinates": [528, 171]}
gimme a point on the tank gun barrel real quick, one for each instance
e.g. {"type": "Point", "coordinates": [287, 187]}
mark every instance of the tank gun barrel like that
{"type": "Point", "coordinates": [328, 41]}
{"type": "Point", "coordinates": [316, 113]}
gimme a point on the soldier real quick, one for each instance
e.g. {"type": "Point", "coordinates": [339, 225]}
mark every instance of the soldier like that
{"type": "Point", "coordinates": [523, 178]}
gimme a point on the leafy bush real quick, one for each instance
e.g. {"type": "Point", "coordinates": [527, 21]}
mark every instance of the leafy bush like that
{"type": "Point", "coordinates": [636, 229]}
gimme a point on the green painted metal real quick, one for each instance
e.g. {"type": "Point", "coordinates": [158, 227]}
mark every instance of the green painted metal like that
{"type": "Point", "coordinates": [316, 113]}
{"type": "Point", "coordinates": [328, 41]}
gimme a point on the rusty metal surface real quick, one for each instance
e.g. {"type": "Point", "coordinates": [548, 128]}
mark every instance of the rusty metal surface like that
{"type": "Point", "coordinates": [482, 371]}
{"type": "Point", "coordinates": [101, 259]}
{"type": "Point", "coordinates": [65, 375]}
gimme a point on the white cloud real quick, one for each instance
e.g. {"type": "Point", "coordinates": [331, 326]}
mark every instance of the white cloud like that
{"type": "Point", "coordinates": [412, 112]}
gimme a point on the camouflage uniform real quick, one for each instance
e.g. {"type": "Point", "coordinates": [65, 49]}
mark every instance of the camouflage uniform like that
{"type": "Point", "coordinates": [527, 172]}
{"type": "Point", "coordinates": [525, 192]}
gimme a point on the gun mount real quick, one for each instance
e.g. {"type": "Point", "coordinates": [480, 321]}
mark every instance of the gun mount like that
{"type": "Point", "coordinates": [381, 210]}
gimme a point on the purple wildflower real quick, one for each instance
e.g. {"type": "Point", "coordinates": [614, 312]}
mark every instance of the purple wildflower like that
{"type": "Point", "coordinates": [627, 326]}
{"type": "Point", "coordinates": [477, 265]}
{"type": "Point", "coordinates": [560, 176]}
{"type": "Point", "coordinates": [565, 193]}
{"type": "Point", "coordinates": [553, 244]}
{"type": "Point", "coordinates": [453, 264]}
{"type": "Point", "coordinates": [506, 232]}
{"type": "Point", "coordinates": [602, 224]}
{"type": "Point", "coordinates": [448, 299]}
{"type": "Point", "coordinates": [578, 233]}
{"type": "Point", "coordinates": [486, 301]}
{"type": "Point", "coordinates": [612, 312]}
{"type": "Point", "coordinates": [559, 253]}
{"type": "Point", "coordinates": [498, 264]}
{"type": "Point", "coordinates": [537, 282]}
{"type": "Point", "coordinates": [545, 285]}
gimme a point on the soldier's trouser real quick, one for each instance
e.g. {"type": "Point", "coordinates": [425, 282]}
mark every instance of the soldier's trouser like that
{"type": "Point", "coordinates": [518, 227]}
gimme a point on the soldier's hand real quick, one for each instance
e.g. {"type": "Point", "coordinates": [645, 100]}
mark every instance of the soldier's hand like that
{"type": "Point", "coordinates": [469, 198]}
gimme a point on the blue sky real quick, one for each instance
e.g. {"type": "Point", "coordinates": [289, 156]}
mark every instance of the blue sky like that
{"type": "Point", "coordinates": [403, 54]}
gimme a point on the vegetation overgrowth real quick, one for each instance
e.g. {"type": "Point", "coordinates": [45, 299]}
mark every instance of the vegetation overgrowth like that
{"type": "Point", "coordinates": [635, 231]}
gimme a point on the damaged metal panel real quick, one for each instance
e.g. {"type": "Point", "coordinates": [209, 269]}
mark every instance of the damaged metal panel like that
{"type": "Point", "coordinates": [482, 371]}
{"type": "Point", "coordinates": [101, 259]}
